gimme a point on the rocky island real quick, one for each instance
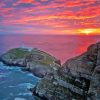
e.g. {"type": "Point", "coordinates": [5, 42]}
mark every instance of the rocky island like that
{"type": "Point", "coordinates": [30, 59]}
{"type": "Point", "coordinates": [77, 79]}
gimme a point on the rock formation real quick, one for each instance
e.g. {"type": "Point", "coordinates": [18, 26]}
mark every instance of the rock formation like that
{"type": "Point", "coordinates": [77, 79]}
{"type": "Point", "coordinates": [31, 59]}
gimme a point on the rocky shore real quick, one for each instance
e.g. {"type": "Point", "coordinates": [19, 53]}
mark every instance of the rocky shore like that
{"type": "Point", "coordinates": [31, 59]}
{"type": "Point", "coordinates": [77, 79]}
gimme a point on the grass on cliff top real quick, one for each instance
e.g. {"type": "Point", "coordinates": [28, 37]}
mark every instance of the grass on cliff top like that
{"type": "Point", "coordinates": [48, 59]}
{"type": "Point", "coordinates": [18, 53]}
{"type": "Point", "coordinates": [22, 53]}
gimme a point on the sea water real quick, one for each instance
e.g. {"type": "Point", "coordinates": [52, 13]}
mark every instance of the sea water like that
{"type": "Point", "coordinates": [62, 47]}
{"type": "Point", "coordinates": [15, 84]}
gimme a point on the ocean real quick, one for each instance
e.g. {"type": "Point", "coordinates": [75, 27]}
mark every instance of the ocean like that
{"type": "Point", "coordinates": [14, 83]}
{"type": "Point", "coordinates": [62, 47]}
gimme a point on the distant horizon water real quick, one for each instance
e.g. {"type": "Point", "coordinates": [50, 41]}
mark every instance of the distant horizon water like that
{"type": "Point", "coordinates": [62, 47]}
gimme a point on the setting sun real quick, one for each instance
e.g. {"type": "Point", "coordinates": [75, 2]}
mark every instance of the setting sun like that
{"type": "Point", "coordinates": [89, 31]}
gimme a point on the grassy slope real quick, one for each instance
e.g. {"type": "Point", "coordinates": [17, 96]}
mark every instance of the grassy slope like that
{"type": "Point", "coordinates": [18, 53]}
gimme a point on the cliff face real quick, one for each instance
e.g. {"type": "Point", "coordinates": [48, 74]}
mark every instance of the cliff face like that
{"type": "Point", "coordinates": [78, 79]}
{"type": "Point", "coordinates": [87, 66]}
{"type": "Point", "coordinates": [31, 59]}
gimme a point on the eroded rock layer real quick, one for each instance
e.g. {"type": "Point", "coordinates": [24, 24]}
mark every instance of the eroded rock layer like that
{"type": "Point", "coordinates": [77, 79]}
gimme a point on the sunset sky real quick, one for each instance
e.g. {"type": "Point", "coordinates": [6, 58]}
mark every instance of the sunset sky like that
{"type": "Point", "coordinates": [50, 17]}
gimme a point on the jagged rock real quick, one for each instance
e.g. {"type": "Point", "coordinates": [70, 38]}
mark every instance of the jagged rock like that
{"type": "Point", "coordinates": [87, 66]}
{"type": "Point", "coordinates": [55, 86]}
{"type": "Point", "coordinates": [94, 90]}
{"type": "Point", "coordinates": [78, 79]}
{"type": "Point", "coordinates": [33, 60]}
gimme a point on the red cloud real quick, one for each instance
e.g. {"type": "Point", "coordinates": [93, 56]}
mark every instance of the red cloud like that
{"type": "Point", "coordinates": [59, 16]}
{"type": "Point", "coordinates": [18, 2]}
{"type": "Point", "coordinates": [79, 3]}
{"type": "Point", "coordinates": [90, 11]}
{"type": "Point", "coordinates": [26, 1]}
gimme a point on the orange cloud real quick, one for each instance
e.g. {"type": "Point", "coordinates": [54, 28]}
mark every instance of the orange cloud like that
{"type": "Point", "coordinates": [64, 16]}
{"type": "Point", "coordinates": [26, 1]}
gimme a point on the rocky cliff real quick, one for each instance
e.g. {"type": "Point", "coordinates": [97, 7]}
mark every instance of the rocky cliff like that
{"type": "Point", "coordinates": [31, 59]}
{"type": "Point", "coordinates": [77, 79]}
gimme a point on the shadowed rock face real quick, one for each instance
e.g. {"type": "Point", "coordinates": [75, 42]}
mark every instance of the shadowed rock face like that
{"type": "Point", "coordinates": [78, 79]}
{"type": "Point", "coordinates": [87, 66]}
{"type": "Point", "coordinates": [33, 60]}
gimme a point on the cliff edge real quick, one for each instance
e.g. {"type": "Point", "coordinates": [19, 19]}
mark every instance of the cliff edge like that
{"type": "Point", "coordinates": [77, 79]}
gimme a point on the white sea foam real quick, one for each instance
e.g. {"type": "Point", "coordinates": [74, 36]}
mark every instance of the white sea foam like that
{"type": "Point", "coordinates": [24, 94]}
{"type": "Point", "coordinates": [16, 81]}
{"type": "Point", "coordinates": [18, 98]}
{"type": "Point", "coordinates": [26, 85]}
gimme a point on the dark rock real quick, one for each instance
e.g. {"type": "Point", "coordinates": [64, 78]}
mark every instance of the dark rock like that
{"type": "Point", "coordinates": [77, 79]}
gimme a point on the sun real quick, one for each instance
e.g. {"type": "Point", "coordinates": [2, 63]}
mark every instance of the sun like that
{"type": "Point", "coordinates": [89, 31]}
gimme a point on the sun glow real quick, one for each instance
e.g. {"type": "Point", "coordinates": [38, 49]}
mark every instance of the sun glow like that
{"type": "Point", "coordinates": [89, 31]}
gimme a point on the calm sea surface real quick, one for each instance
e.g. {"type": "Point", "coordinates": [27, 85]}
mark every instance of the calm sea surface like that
{"type": "Point", "coordinates": [14, 83]}
{"type": "Point", "coordinates": [61, 46]}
